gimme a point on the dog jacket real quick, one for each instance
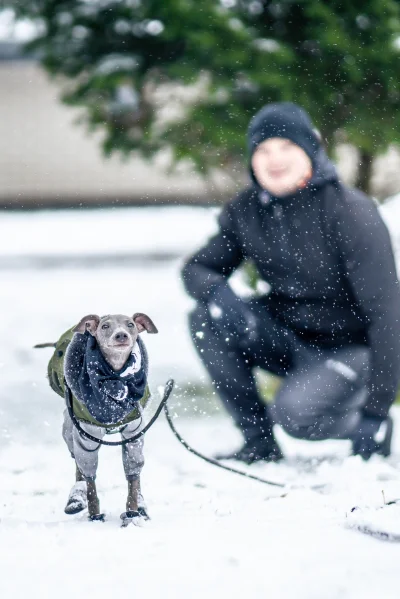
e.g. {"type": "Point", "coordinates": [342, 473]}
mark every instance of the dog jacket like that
{"type": "Point", "coordinates": [101, 396]}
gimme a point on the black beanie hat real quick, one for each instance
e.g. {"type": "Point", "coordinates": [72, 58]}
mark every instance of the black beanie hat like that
{"type": "Point", "coordinates": [286, 120]}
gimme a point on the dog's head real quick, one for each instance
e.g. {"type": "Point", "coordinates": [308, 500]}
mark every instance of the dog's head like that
{"type": "Point", "coordinates": [116, 334]}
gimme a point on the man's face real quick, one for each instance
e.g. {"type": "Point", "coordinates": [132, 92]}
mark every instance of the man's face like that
{"type": "Point", "coordinates": [281, 166]}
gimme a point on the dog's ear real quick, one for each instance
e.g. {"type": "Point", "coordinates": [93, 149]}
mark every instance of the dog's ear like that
{"type": "Point", "coordinates": [144, 323]}
{"type": "Point", "coordinates": [88, 323]}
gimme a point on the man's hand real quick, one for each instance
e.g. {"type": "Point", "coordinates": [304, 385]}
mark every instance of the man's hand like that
{"type": "Point", "coordinates": [370, 436]}
{"type": "Point", "coordinates": [232, 316]}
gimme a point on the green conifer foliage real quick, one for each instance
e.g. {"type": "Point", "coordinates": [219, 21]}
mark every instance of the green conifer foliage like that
{"type": "Point", "coordinates": [189, 75]}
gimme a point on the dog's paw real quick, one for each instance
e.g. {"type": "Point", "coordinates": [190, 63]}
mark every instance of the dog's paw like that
{"type": "Point", "coordinates": [97, 518]}
{"type": "Point", "coordinates": [132, 517]}
{"type": "Point", "coordinates": [143, 512]}
{"type": "Point", "coordinates": [77, 500]}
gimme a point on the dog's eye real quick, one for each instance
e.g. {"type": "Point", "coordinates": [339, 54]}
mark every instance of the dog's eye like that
{"type": "Point", "coordinates": [130, 324]}
{"type": "Point", "coordinates": [105, 326]}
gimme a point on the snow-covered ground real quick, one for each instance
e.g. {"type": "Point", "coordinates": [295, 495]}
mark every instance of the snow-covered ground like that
{"type": "Point", "coordinates": [211, 532]}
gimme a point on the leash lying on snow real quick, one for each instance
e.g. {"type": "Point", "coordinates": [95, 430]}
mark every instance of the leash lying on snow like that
{"type": "Point", "coordinates": [368, 522]}
{"type": "Point", "coordinates": [364, 527]}
{"type": "Point", "coordinates": [229, 468]}
{"type": "Point", "coordinates": [68, 398]}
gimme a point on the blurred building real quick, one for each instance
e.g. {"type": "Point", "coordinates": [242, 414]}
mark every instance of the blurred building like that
{"type": "Point", "coordinates": [47, 159]}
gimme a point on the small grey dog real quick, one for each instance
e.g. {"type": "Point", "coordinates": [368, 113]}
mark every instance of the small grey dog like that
{"type": "Point", "coordinates": [106, 367]}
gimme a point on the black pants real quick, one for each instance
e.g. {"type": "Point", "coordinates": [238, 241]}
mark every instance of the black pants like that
{"type": "Point", "coordinates": [323, 387]}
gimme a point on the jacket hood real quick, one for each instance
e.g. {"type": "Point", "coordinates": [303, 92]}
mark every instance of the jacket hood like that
{"type": "Point", "coordinates": [285, 120]}
{"type": "Point", "coordinates": [290, 121]}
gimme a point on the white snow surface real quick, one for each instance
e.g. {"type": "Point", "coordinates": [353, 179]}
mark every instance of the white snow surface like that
{"type": "Point", "coordinates": [119, 231]}
{"type": "Point", "coordinates": [212, 533]}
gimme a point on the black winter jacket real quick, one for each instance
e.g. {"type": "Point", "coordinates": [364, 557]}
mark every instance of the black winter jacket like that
{"type": "Point", "coordinates": [327, 256]}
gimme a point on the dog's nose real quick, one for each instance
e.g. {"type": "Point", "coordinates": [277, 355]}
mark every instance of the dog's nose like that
{"type": "Point", "coordinates": [121, 336]}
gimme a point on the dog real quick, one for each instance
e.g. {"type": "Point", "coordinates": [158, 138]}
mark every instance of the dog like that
{"type": "Point", "coordinates": [105, 366]}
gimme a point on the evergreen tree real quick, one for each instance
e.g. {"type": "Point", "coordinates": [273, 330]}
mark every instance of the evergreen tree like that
{"type": "Point", "coordinates": [142, 68]}
{"type": "Point", "coordinates": [188, 75]}
{"type": "Point", "coordinates": [343, 68]}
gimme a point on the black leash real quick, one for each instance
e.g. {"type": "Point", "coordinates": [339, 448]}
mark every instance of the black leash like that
{"type": "Point", "coordinates": [211, 460]}
{"type": "Point", "coordinates": [229, 468]}
{"type": "Point", "coordinates": [68, 398]}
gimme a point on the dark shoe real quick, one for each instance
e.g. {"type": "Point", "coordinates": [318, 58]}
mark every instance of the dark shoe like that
{"type": "Point", "coordinates": [261, 448]}
{"type": "Point", "coordinates": [386, 444]}
{"type": "Point", "coordinates": [373, 435]}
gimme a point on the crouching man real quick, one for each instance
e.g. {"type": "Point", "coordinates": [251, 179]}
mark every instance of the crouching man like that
{"type": "Point", "coordinates": [330, 325]}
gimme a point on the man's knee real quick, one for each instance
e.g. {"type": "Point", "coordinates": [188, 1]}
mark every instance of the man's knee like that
{"type": "Point", "coordinates": [315, 421]}
{"type": "Point", "coordinates": [296, 418]}
{"type": "Point", "coordinates": [322, 400]}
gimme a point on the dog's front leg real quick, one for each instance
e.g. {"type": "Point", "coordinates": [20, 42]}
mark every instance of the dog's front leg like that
{"type": "Point", "coordinates": [77, 499]}
{"type": "Point", "coordinates": [78, 474]}
{"type": "Point", "coordinates": [135, 510]}
{"type": "Point", "coordinates": [133, 460]}
{"type": "Point", "coordinates": [93, 500]}
{"type": "Point", "coordinates": [133, 495]}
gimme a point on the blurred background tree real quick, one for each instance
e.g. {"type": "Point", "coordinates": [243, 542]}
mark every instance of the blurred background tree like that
{"type": "Point", "coordinates": [188, 75]}
{"type": "Point", "coordinates": [343, 67]}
